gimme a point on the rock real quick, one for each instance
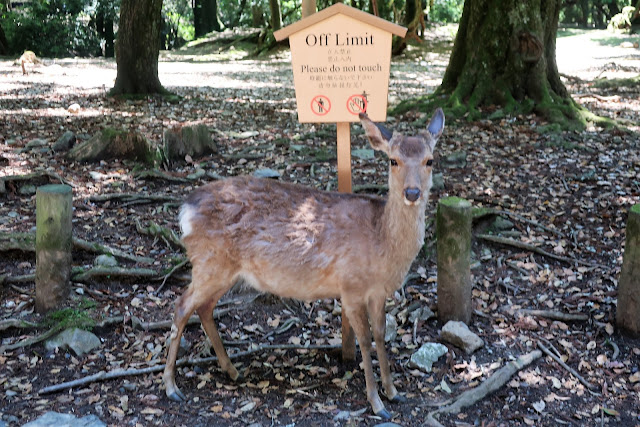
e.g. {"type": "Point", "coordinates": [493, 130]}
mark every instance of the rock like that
{"type": "Point", "coordinates": [77, 340]}
{"type": "Point", "coordinates": [65, 142]}
{"type": "Point", "coordinates": [105, 261]}
{"type": "Point", "coordinates": [458, 334]}
{"type": "Point", "coordinates": [33, 144]}
{"type": "Point", "coordinates": [363, 153]}
{"type": "Point", "coordinates": [455, 160]}
{"type": "Point", "coordinates": [502, 224]}
{"type": "Point", "coordinates": [438, 182]}
{"type": "Point", "coordinates": [199, 173]}
{"type": "Point", "coordinates": [74, 108]}
{"type": "Point", "coordinates": [55, 419]}
{"type": "Point", "coordinates": [27, 189]}
{"type": "Point", "coordinates": [391, 329]}
{"type": "Point", "coordinates": [192, 141]}
{"type": "Point", "coordinates": [426, 355]}
{"type": "Point", "coordinates": [267, 173]}
{"type": "Point", "coordinates": [423, 313]}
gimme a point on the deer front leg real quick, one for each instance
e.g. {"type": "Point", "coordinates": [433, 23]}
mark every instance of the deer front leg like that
{"type": "Point", "coordinates": [378, 325]}
{"type": "Point", "coordinates": [357, 314]}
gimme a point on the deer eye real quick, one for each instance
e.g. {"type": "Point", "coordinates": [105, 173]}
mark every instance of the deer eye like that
{"type": "Point", "coordinates": [393, 162]}
{"type": "Point", "coordinates": [429, 162]}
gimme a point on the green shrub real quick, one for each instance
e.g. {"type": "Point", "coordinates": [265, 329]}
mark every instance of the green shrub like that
{"type": "Point", "coordinates": [446, 11]}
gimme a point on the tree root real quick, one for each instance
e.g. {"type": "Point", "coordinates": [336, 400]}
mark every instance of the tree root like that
{"type": "Point", "coordinates": [83, 275]}
{"type": "Point", "coordinates": [535, 249]}
{"type": "Point", "coordinates": [157, 231]}
{"type": "Point", "coordinates": [104, 375]}
{"type": "Point", "coordinates": [491, 384]}
{"type": "Point", "coordinates": [26, 242]}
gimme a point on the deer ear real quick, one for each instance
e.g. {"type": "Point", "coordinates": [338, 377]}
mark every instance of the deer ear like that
{"type": "Point", "coordinates": [378, 135]}
{"type": "Point", "coordinates": [436, 125]}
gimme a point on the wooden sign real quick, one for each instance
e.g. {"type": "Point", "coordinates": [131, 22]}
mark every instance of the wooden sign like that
{"type": "Point", "coordinates": [341, 59]}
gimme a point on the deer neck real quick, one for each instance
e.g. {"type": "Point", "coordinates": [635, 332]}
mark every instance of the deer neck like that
{"type": "Point", "coordinates": [403, 229]}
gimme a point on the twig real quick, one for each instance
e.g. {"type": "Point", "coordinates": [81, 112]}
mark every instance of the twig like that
{"type": "Point", "coordinates": [491, 384]}
{"type": "Point", "coordinates": [30, 341]}
{"type": "Point", "coordinates": [166, 324]}
{"type": "Point", "coordinates": [567, 367]}
{"type": "Point", "coordinates": [532, 248]}
{"type": "Point", "coordinates": [614, 346]}
{"type": "Point", "coordinates": [173, 270]}
{"type": "Point", "coordinates": [104, 375]}
{"type": "Point", "coordinates": [129, 197]}
{"type": "Point", "coordinates": [554, 315]}
{"type": "Point", "coordinates": [520, 218]}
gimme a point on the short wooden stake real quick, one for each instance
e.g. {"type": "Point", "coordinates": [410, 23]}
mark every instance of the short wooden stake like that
{"type": "Point", "coordinates": [54, 241]}
{"type": "Point", "coordinates": [628, 313]}
{"type": "Point", "coordinates": [453, 233]}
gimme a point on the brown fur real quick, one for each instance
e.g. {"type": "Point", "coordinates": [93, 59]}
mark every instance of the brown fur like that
{"type": "Point", "coordinates": [303, 243]}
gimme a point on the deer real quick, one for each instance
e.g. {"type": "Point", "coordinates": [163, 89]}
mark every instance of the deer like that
{"type": "Point", "coordinates": [298, 242]}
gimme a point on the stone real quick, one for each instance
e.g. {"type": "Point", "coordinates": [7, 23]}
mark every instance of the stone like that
{"type": "Point", "coordinates": [267, 173]}
{"type": "Point", "coordinates": [77, 340]}
{"type": "Point", "coordinates": [391, 329]}
{"type": "Point", "coordinates": [65, 142]}
{"type": "Point", "coordinates": [423, 314]}
{"type": "Point", "coordinates": [34, 144]}
{"type": "Point", "coordinates": [458, 334]}
{"type": "Point", "coordinates": [105, 261]}
{"type": "Point", "coordinates": [74, 108]}
{"type": "Point", "coordinates": [55, 419]}
{"type": "Point", "coordinates": [427, 355]}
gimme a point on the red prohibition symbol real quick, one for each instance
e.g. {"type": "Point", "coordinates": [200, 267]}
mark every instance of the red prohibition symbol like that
{"type": "Point", "coordinates": [357, 104]}
{"type": "Point", "coordinates": [320, 105]}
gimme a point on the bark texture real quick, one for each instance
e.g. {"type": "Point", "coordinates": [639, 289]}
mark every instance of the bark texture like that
{"type": "Point", "coordinates": [205, 17]}
{"type": "Point", "coordinates": [137, 48]}
{"type": "Point", "coordinates": [628, 314]}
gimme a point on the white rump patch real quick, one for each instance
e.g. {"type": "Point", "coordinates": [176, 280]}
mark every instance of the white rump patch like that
{"type": "Point", "coordinates": [186, 216]}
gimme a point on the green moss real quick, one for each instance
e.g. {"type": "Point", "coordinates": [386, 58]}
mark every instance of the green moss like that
{"type": "Point", "coordinates": [71, 317]}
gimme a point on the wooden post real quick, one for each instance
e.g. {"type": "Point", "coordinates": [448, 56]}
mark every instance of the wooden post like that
{"type": "Point", "coordinates": [53, 245]}
{"type": "Point", "coordinates": [453, 231]}
{"type": "Point", "coordinates": [628, 313]}
{"type": "Point", "coordinates": [344, 186]}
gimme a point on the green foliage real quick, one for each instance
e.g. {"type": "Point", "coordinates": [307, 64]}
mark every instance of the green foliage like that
{"type": "Point", "coordinates": [446, 11]}
{"type": "Point", "coordinates": [178, 28]}
{"type": "Point", "coordinates": [52, 28]}
{"type": "Point", "coordinates": [71, 317]}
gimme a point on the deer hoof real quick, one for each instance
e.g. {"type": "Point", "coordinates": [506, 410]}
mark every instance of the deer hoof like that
{"type": "Point", "coordinates": [177, 395]}
{"type": "Point", "coordinates": [398, 398]}
{"type": "Point", "coordinates": [384, 414]}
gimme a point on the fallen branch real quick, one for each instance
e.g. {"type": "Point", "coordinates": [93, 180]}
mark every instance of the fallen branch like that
{"type": "Point", "coordinates": [554, 315]}
{"type": "Point", "coordinates": [104, 375]}
{"type": "Point", "coordinates": [173, 270]}
{"type": "Point", "coordinates": [30, 341]}
{"type": "Point", "coordinates": [491, 384]}
{"type": "Point", "coordinates": [151, 174]}
{"type": "Point", "coordinates": [137, 323]}
{"type": "Point", "coordinates": [98, 271]}
{"type": "Point", "coordinates": [101, 249]}
{"type": "Point", "coordinates": [565, 366]}
{"type": "Point", "coordinates": [531, 248]}
{"type": "Point", "coordinates": [489, 211]}
{"type": "Point", "coordinates": [134, 197]}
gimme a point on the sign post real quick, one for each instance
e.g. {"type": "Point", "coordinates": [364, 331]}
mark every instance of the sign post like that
{"type": "Point", "coordinates": [341, 58]}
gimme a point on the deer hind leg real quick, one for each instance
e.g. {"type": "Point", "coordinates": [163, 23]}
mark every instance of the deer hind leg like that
{"type": "Point", "coordinates": [199, 293]}
{"type": "Point", "coordinates": [357, 313]}
{"type": "Point", "coordinates": [206, 318]}
{"type": "Point", "coordinates": [378, 323]}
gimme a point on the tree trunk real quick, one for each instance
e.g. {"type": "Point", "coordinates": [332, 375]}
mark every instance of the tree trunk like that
{"type": "Point", "coordinates": [505, 54]}
{"type": "Point", "coordinates": [205, 17]}
{"type": "Point", "coordinates": [628, 314]}
{"type": "Point", "coordinates": [276, 15]}
{"type": "Point", "coordinates": [4, 44]}
{"type": "Point", "coordinates": [137, 48]}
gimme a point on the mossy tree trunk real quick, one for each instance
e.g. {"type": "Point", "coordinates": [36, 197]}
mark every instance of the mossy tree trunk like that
{"type": "Point", "coordinates": [505, 54]}
{"type": "Point", "coordinates": [137, 48]}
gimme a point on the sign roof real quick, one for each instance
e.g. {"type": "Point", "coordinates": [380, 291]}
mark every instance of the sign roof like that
{"type": "Point", "coordinates": [340, 8]}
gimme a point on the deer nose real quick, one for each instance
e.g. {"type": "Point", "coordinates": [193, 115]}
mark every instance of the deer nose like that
{"type": "Point", "coordinates": [412, 194]}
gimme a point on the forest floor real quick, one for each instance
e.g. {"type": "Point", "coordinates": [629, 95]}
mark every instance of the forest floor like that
{"type": "Point", "coordinates": [566, 193]}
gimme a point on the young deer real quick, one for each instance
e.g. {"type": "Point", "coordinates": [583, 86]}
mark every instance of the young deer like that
{"type": "Point", "coordinates": [298, 242]}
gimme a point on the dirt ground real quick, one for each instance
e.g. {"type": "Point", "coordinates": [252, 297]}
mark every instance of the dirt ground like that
{"type": "Point", "coordinates": [565, 193]}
